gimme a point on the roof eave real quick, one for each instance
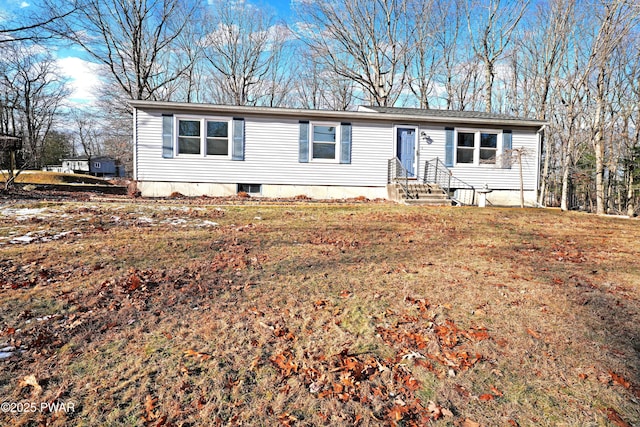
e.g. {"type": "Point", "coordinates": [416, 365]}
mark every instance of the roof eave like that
{"type": "Point", "coordinates": [329, 114]}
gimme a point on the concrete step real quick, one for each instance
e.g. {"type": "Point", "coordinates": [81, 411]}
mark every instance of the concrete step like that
{"type": "Point", "coordinates": [423, 194]}
{"type": "Point", "coordinates": [428, 202]}
{"type": "Point", "coordinates": [427, 194]}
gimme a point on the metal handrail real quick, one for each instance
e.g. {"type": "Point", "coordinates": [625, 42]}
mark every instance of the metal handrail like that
{"type": "Point", "coordinates": [398, 173]}
{"type": "Point", "coordinates": [436, 172]}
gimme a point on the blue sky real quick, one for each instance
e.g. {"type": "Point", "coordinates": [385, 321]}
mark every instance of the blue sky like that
{"type": "Point", "coordinates": [75, 64]}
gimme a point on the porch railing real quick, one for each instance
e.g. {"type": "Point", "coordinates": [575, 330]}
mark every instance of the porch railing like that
{"type": "Point", "coordinates": [436, 172]}
{"type": "Point", "coordinates": [396, 173]}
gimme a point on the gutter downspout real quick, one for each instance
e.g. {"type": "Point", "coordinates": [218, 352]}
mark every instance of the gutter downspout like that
{"type": "Point", "coordinates": [135, 144]}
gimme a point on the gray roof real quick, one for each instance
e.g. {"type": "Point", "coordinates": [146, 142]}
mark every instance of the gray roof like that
{"type": "Point", "coordinates": [85, 158]}
{"type": "Point", "coordinates": [434, 113]}
{"type": "Point", "coordinates": [370, 114]}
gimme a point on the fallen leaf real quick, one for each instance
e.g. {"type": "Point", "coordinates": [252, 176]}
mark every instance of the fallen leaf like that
{"type": "Point", "coordinates": [461, 390]}
{"type": "Point", "coordinates": [615, 418]}
{"type": "Point", "coordinates": [149, 406]}
{"type": "Point", "coordinates": [134, 282]}
{"type": "Point", "coordinates": [486, 397]}
{"type": "Point", "coordinates": [286, 419]}
{"type": "Point", "coordinates": [620, 380]}
{"type": "Point", "coordinates": [469, 423]}
{"type": "Point", "coordinates": [396, 413]}
{"type": "Point", "coordinates": [319, 303]}
{"type": "Point", "coordinates": [284, 361]}
{"type": "Point", "coordinates": [534, 334]}
{"type": "Point", "coordinates": [30, 380]}
{"type": "Point", "coordinates": [495, 391]}
{"type": "Point", "coordinates": [197, 354]}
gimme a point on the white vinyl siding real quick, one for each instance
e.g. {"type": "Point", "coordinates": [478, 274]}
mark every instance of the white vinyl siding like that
{"type": "Point", "coordinates": [498, 178]}
{"type": "Point", "coordinates": [270, 157]}
{"type": "Point", "coordinates": [494, 176]}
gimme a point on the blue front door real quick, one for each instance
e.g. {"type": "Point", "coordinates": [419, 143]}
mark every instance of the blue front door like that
{"type": "Point", "coordinates": [406, 149]}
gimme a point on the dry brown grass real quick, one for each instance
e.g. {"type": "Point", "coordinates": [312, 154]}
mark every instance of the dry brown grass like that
{"type": "Point", "coordinates": [45, 177]}
{"type": "Point", "coordinates": [320, 315]}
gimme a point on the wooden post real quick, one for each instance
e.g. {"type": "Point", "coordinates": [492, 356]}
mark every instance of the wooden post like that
{"type": "Point", "coordinates": [12, 163]}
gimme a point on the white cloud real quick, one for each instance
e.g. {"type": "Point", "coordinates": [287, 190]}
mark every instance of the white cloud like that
{"type": "Point", "coordinates": [83, 78]}
{"type": "Point", "coordinates": [24, 4]}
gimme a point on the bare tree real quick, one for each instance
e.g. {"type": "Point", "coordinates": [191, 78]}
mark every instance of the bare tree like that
{"type": "Point", "coordinates": [457, 73]}
{"type": "Point", "coordinates": [569, 116]}
{"type": "Point", "coordinates": [36, 27]}
{"type": "Point", "coordinates": [365, 41]}
{"type": "Point", "coordinates": [317, 87]}
{"type": "Point", "coordinates": [615, 21]}
{"type": "Point", "coordinates": [88, 133]}
{"type": "Point", "coordinates": [625, 152]}
{"type": "Point", "coordinates": [539, 52]}
{"type": "Point", "coordinates": [244, 48]}
{"type": "Point", "coordinates": [421, 79]}
{"type": "Point", "coordinates": [132, 40]}
{"type": "Point", "coordinates": [491, 25]}
{"type": "Point", "coordinates": [32, 93]}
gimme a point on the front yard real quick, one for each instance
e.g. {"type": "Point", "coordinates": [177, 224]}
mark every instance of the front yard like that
{"type": "Point", "coordinates": [316, 314]}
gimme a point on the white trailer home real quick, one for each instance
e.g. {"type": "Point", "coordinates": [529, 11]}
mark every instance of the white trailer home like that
{"type": "Point", "coordinates": [375, 152]}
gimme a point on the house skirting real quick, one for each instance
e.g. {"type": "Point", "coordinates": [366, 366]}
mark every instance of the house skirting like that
{"type": "Point", "coordinates": [165, 189]}
{"type": "Point", "coordinates": [194, 189]}
{"type": "Point", "coordinates": [504, 197]}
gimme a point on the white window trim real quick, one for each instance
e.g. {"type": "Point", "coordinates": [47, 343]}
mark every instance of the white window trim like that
{"type": "Point", "coordinates": [203, 136]}
{"type": "Point", "coordinates": [338, 127]}
{"type": "Point", "coordinates": [476, 147]}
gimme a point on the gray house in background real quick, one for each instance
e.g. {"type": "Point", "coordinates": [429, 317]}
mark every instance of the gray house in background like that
{"type": "Point", "coordinates": [102, 166]}
{"type": "Point", "coordinates": [375, 152]}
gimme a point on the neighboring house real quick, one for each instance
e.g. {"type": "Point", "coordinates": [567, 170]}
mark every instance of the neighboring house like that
{"type": "Point", "coordinates": [102, 166]}
{"type": "Point", "coordinates": [216, 150]}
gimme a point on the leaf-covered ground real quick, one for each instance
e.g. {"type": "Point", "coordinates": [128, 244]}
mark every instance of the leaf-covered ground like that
{"type": "Point", "coordinates": [317, 314]}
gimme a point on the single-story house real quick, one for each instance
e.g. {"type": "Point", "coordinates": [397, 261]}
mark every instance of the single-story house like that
{"type": "Point", "coordinates": [220, 150]}
{"type": "Point", "coordinates": [103, 166]}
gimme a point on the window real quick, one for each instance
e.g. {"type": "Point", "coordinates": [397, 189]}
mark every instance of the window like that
{"type": "Point", "coordinates": [477, 147]}
{"type": "Point", "coordinates": [488, 148]}
{"type": "Point", "coordinates": [217, 138]}
{"type": "Point", "coordinates": [198, 136]}
{"type": "Point", "coordinates": [96, 165]}
{"type": "Point", "coordinates": [188, 136]}
{"type": "Point", "coordinates": [323, 142]}
{"type": "Point", "coordinates": [250, 188]}
{"type": "Point", "coordinates": [466, 147]}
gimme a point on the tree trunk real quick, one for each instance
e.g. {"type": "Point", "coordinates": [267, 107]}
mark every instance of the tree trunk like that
{"type": "Point", "coordinates": [598, 146]}
{"type": "Point", "coordinates": [489, 85]}
{"type": "Point", "coordinates": [631, 210]}
{"type": "Point", "coordinates": [566, 167]}
{"type": "Point", "coordinates": [545, 172]}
